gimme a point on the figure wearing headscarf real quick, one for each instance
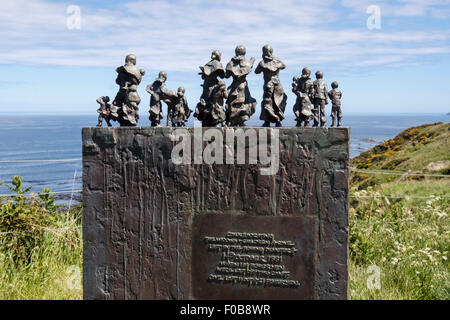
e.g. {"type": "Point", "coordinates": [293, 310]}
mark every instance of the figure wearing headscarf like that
{"type": "Point", "coordinates": [124, 108]}
{"type": "Point", "coordinates": [240, 105]}
{"type": "Point", "coordinates": [159, 93]}
{"type": "Point", "coordinates": [209, 72]}
{"type": "Point", "coordinates": [274, 98]}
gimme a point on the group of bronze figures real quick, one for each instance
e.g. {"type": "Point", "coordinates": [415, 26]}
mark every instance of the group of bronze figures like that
{"type": "Point", "coordinates": [220, 105]}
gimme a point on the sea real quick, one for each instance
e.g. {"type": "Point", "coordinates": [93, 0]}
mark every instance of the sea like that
{"type": "Point", "coordinates": [45, 149]}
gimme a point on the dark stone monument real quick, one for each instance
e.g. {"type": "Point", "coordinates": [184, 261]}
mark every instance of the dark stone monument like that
{"type": "Point", "coordinates": [157, 229]}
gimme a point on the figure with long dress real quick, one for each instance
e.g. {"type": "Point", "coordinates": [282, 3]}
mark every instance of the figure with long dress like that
{"type": "Point", "coordinates": [207, 109]}
{"type": "Point", "coordinates": [124, 108]}
{"type": "Point", "coordinates": [274, 98]}
{"type": "Point", "coordinates": [302, 107]}
{"type": "Point", "coordinates": [240, 105]}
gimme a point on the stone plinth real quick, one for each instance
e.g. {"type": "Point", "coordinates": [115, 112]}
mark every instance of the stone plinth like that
{"type": "Point", "coordinates": [156, 229]}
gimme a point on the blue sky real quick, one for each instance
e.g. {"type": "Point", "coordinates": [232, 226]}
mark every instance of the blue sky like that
{"type": "Point", "coordinates": [402, 67]}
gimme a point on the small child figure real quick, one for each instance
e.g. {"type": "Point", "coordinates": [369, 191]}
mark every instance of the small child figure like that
{"type": "Point", "coordinates": [181, 111]}
{"type": "Point", "coordinates": [219, 94]}
{"type": "Point", "coordinates": [320, 99]}
{"type": "Point", "coordinates": [335, 96]}
{"type": "Point", "coordinates": [104, 111]}
{"type": "Point", "coordinates": [302, 107]}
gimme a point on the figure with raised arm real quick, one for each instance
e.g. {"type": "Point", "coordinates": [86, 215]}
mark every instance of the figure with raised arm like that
{"type": "Point", "coordinates": [159, 93]}
{"type": "Point", "coordinates": [274, 98]}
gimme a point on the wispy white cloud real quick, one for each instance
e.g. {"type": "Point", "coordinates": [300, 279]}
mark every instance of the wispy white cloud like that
{"type": "Point", "coordinates": [179, 35]}
{"type": "Point", "coordinates": [400, 8]}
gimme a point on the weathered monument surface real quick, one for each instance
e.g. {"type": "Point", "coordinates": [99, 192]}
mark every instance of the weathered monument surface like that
{"type": "Point", "coordinates": [157, 229]}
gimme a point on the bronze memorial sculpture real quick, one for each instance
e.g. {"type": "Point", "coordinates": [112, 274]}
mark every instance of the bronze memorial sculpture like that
{"type": "Point", "coordinates": [158, 93]}
{"type": "Point", "coordinates": [274, 98]}
{"type": "Point", "coordinates": [104, 112]}
{"type": "Point", "coordinates": [217, 213]}
{"type": "Point", "coordinates": [210, 108]}
{"type": "Point", "coordinates": [124, 108]}
{"type": "Point", "coordinates": [335, 95]}
{"type": "Point", "coordinates": [320, 99]}
{"type": "Point", "coordinates": [240, 105]}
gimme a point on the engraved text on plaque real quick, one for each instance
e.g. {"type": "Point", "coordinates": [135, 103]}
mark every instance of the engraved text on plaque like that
{"type": "Point", "coordinates": [251, 259]}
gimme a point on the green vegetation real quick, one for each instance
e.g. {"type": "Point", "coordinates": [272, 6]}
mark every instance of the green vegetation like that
{"type": "Point", "coordinates": [412, 151]}
{"type": "Point", "coordinates": [407, 238]}
{"type": "Point", "coordinates": [40, 247]}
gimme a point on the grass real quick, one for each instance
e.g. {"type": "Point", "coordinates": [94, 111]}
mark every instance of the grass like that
{"type": "Point", "coordinates": [40, 246]}
{"type": "Point", "coordinates": [54, 268]}
{"type": "Point", "coordinates": [406, 239]}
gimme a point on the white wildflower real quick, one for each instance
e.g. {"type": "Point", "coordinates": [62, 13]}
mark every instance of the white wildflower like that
{"type": "Point", "coordinates": [441, 214]}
